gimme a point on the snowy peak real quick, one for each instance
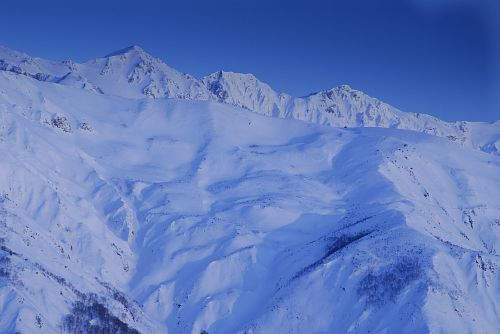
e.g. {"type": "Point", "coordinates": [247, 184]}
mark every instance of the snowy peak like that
{"type": "Point", "coordinates": [342, 89]}
{"type": "Point", "coordinates": [133, 49]}
{"type": "Point", "coordinates": [339, 106]}
{"type": "Point", "coordinates": [346, 106]}
{"type": "Point", "coordinates": [134, 73]}
{"type": "Point", "coordinates": [135, 54]}
{"type": "Point", "coordinates": [245, 91]}
{"type": "Point", "coordinates": [247, 78]}
{"type": "Point", "coordinates": [235, 86]}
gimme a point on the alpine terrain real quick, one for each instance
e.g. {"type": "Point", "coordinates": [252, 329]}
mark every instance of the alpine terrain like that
{"type": "Point", "coordinates": [138, 199]}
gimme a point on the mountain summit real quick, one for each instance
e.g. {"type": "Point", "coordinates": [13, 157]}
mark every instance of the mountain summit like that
{"type": "Point", "coordinates": [128, 50]}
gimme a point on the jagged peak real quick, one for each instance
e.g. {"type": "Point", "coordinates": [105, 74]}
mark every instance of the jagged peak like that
{"type": "Point", "coordinates": [232, 75]}
{"type": "Point", "coordinates": [346, 89]}
{"type": "Point", "coordinates": [128, 50]}
{"type": "Point", "coordinates": [239, 79]}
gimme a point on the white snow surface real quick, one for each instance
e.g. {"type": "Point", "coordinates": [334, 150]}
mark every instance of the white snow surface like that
{"type": "Point", "coordinates": [186, 215]}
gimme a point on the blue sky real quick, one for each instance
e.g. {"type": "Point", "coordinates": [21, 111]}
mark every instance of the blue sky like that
{"type": "Point", "coordinates": [440, 57]}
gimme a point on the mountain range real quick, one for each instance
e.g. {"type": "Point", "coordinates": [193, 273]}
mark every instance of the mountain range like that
{"type": "Point", "coordinates": [135, 198]}
{"type": "Point", "coordinates": [133, 73]}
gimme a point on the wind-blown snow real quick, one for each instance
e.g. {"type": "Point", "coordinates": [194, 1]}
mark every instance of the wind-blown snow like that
{"type": "Point", "coordinates": [125, 213]}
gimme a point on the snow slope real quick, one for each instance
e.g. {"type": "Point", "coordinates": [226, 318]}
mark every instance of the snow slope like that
{"type": "Point", "coordinates": [127, 214]}
{"type": "Point", "coordinates": [133, 73]}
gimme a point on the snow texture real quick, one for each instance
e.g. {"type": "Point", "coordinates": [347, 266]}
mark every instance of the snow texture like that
{"type": "Point", "coordinates": [132, 200]}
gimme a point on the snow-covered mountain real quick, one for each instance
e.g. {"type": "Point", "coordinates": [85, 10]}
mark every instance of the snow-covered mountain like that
{"type": "Point", "coordinates": [133, 73]}
{"type": "Point", "coordinates": [122, 213]}
{"type": "Point", "coordinates": [344, 107]}
{"type": "Point", "coordinates": [130, 72]}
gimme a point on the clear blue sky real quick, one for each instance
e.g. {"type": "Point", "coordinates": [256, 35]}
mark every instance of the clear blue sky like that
{"type": "Point", "coordinates": [440, 57]}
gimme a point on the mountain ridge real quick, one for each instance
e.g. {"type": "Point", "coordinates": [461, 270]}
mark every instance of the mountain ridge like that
{"type": "Point", "coordinates": [148, 76]}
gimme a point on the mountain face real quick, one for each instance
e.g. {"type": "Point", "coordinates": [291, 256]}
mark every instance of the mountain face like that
{"type": "Point", "coordinates": [125, 212]}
